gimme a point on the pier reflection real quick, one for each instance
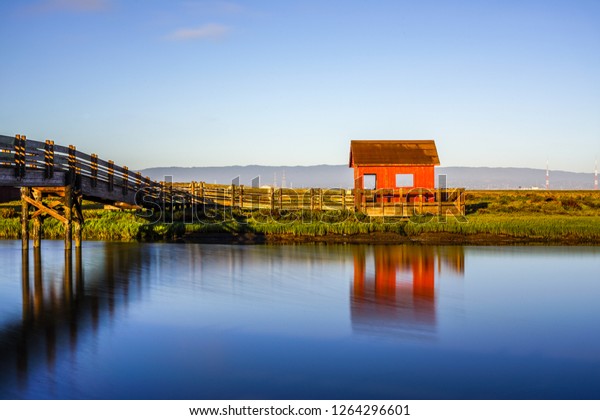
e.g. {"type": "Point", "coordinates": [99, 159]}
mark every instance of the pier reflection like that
{"type": "Point", "coordinates": [394, 288]}
{"type": "Point", "coordinates": [60, 305]}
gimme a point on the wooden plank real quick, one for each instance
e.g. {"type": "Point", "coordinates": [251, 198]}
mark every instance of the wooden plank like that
{"type": "Point", "coordinates": [33, 178]}
{"type": "Point", "coordinates": [101, 193]}
{"type": "Point", "coordinates": [6, 141]}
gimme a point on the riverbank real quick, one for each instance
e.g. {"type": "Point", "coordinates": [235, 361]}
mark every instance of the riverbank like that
{"type": "Point", "coordinates": [493, 217]}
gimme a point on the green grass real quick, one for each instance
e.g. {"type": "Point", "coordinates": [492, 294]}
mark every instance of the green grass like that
{"type": "Point", "coordinates": [548, 228]}
{"type": "Point", "coordinates": [537, 215]}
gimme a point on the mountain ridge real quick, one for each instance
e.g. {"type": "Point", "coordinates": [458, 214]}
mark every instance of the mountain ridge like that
{"type": "Point", "coordinates": [341, 176]}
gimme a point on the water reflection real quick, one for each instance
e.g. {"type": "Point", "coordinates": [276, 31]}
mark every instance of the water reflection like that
{"type": "Point", "coordinates": [191, 321]}
{"type": "Point", "coordinates": [58, 306]}
{"type": "Point", "coordinates": [393, 291]}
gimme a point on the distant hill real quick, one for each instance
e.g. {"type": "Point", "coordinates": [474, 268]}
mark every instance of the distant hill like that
{"type": "Point", "coordinates": [318, 176]}
{"type": "Point", "coordinates": [515, 178]}
{"type": "Point", "coordinates": [340, 176]}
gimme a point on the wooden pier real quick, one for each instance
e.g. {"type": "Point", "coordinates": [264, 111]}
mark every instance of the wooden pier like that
{"type": "Point", "coordinates": [54, 180]}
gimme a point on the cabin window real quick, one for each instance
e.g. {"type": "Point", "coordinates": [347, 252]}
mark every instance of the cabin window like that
{"type": "Point", "coordinates": [405, 180]}
{"type": "Point", "coordinates": [369, 181]}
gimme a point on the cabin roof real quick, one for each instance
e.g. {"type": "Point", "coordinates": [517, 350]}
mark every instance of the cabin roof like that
{"type": "Point", "coordinates": [393, 153]}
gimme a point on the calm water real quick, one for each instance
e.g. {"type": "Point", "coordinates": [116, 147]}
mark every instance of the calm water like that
{"type": "Point", "coordinates": [181, 321]}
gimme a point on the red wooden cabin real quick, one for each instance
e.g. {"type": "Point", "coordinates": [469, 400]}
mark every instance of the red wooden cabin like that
{"type": "Point", "coordinates": [392, 164]}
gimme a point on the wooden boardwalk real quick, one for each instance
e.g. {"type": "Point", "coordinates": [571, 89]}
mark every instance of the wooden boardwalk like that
{"type": "Point", "coordinates": [54, 180]}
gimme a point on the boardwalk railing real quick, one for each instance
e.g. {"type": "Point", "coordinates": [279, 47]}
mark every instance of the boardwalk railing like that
{"type": "Point", "coordinates": [30, 163]}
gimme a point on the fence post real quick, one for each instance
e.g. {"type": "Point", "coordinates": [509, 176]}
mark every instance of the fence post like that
{"type": "Point", "coordinates": [20, 144]}
{"type": "Point", "coordinates": [94, 169]}
{"type": "Point", "coordinates": [320, 199]}
{"type": "Point", "coordinates": [280, 198]}
{"type": "Point", "coordinates": [241, 197]}
{"type": "Point", "coordinates": [272, 199]}
{"type": "Point", "coordinates": [49, 159]}
{"type": "Point", "coordinates": [125, 179]}
{"type": "Point", "coordinates": [193, 193]}
{"type": "Point", "coordinates": [72, 161]}
{"type": "Point", "coordinates": [111, 175]}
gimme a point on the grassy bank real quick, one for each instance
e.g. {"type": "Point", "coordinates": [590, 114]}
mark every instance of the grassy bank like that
{"type": "Point", "coordinates": [536, 216]}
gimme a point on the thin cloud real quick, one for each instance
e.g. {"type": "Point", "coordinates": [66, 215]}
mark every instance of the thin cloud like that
{"type": "Point", "coordinates": [229, 7]}
{"type": "Point", "coordinates": [215, 6]}
{"type": "Point", "coordinates": [49, 6]}
{"type": "Point", "coordinates": [210, 31]}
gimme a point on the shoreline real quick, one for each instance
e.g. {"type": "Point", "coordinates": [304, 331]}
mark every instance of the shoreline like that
{"type": "Point", "coordinates": [372, 238]}
{"type": "Point", "coordinates": [377, 238]}
{"type": "Point", "coordinates": [564, 218]}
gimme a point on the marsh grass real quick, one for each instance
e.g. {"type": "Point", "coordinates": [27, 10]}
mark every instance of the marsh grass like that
{"type": "Point", "coordinates": [554, 227]}
{"type": "Point", "coordinates": [543, 215]}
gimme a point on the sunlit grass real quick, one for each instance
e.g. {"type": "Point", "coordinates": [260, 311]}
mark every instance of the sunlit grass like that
{"type": "Point", "coordinates": [537, 215]}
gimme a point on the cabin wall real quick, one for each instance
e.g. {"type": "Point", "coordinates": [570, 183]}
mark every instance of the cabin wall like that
{"type": "Point", "coordinates": [423, 176]}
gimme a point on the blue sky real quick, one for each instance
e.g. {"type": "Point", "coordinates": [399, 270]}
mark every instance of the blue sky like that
{"type": "Point", "coordinates": [213, 82]}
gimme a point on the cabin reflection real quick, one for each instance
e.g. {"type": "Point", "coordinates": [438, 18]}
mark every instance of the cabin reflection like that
{"type": "Point", "coordinates": [394, 288]}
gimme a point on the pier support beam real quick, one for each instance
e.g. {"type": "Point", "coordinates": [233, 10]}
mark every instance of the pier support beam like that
{"type": "Point", "coordinates": [66, 208]}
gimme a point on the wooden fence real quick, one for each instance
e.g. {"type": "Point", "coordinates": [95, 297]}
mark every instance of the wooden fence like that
{"type": "Point", "coordinates": [382, 202]}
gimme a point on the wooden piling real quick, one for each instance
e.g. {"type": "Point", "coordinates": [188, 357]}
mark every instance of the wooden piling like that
{"type": "Point", "coordinates": [77, 206]}
{"type": "Point", "coordinates": [37, 221]}
{"type": "Point", "coordinates": [68, 210]}
{"type": "Point", "coordinates": [25, 192]}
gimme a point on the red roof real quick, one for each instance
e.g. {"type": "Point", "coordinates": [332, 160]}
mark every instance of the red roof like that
{"type": "Point", "coordinates": [393, 153]}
